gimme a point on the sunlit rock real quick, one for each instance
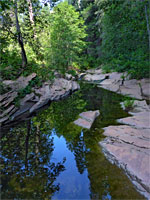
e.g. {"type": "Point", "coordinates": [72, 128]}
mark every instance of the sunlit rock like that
{"type": "Point", "coordinates": [128, 146]}
{"type": "Point", "coordinates": [139, 120]}
{"type": "Point", "coordinates": [53, 92]}
{"type": "Point", "coordinates": [132, 159]}
{"type": "Point", "coordinates": [87, 119]}
{"type": "Point", "coordinates": [138, 106]}
{"type": "Point", "coordinates": [94, 77]}
{"type": "Point", "coordinates": [94, 71]}
{"type": "Point", "coordinates": [20, 83]}
{"type": "Point", "coordinates": [50, 91]}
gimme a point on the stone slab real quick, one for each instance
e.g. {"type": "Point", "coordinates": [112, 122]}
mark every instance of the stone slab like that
{"type": "Point", "coordinates": [94, 77]}
{"type": "Point", "coordinates": [129, 135]}
{"type": "Point", "coordinates": [139, 120]}
{"type": "Point", "coordinates": [83, 123]}
{"type": "Point", "coordinates": [87, 118]}
{"type": "Point", "coordinates": [135, 163]}
{"type": "Point", "coordinates": [90, 115]}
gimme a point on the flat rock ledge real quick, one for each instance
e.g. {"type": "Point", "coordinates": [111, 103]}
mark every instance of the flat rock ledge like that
{"type": "Point", "coordinates": [87, 119]}
{"type": "Point", "coordinates": [119, 83]}
{"type": "Point", "coordinates": [48, 92]}
{"type": "Point", "coordinates": [128, 146]}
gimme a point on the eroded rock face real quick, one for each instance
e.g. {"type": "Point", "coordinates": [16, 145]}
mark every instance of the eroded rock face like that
{"type": "Point", "coordinates": [58, 90]}
{"type": "Point", "coordinates": [87, 119]}
{"type": "Point", "coordinates": [133, 160]}
{"type": "Point", "coordinates": [128, 146]}
{"type": "Point", "coordinates": [20, 83]}
{"type": "Point", "coordinates": [119, 83]}
{"type": "Point", "coordinates": [50, 91]}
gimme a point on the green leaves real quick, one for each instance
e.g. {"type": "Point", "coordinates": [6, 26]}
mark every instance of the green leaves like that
{"type": "Point", "coordinates": [66, 38]}
{"type": "Point", "coordinates": [124, 36]}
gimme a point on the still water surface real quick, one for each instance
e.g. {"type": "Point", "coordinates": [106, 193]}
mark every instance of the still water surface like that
{"type": "Point", "coordinates": [48, 157]}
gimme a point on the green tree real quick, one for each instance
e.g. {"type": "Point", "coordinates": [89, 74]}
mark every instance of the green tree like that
{"type": "Point", "coordinates": [124, 35]}
{"type": "Point", "coordinates": [66, 38]}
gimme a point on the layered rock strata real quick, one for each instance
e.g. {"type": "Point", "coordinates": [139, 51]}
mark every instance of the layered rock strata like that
{"type": "Point", "coordinates": [48, 92]}
{"type": "Point", "coordinates": [128, 146]}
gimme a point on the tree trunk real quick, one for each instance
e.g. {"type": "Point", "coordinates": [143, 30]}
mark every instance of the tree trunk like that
{"type": "Point", "coordinates": [37, 141]}
{"type": "Point", "coordinates": [31, 17]}
{"type": "Point", "coordinates": [79, 4]}
{"type": "Point", "coordinates": [27, 143]}
{"type": "Point", "coordinates": [20, 39]}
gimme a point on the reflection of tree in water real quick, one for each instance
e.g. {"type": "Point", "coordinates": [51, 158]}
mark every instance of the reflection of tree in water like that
{"type": "Point", "coordinates": [27, 172]}
{"type": "Point", "coordinates": [78, 147]}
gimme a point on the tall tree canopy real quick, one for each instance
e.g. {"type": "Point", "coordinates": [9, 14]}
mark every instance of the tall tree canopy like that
{"type": "Point", "coordinates": [125, 36]}
{"type": "Point", "coordinates": [66, 37]}
{"type": "Point", "coordinates": [52, 34]}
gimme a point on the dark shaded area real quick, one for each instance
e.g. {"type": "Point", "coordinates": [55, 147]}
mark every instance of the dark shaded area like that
{"type": "Point", "coordinates": [27, 169]}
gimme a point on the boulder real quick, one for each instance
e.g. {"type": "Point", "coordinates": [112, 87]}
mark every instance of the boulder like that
{"type": "Point", "coordinates": [94, 77]}
{"type": "Point", "coordinates": [7, 111]}
{"type": "Point", "coordinates": [129, 135]}
{"type": "Point", "coordinates": [80, 76]}
{"type": "Point", "coordinates": [131, 83]}
{"type": "Point", "coordinates": [131, 91]}
{"type": "Point", "coordinates": [23, 109]}
{"type": "Point", "coordinates": [116, 77]}
{"type": "Point", "coordinates": [59, 89]}
{"type": "Point", "coordinates": [69, 77]}
{"type": "Point", "coordinates": [20, 83]}
{"type": "Point", "coordinates": [29, 98]}
{"type": "Point", "coordinates": [87, 119]}
{"type": "Point", "coordinates": [90, 115]}
{"type": "Point", "coordinates": [50, 91]}
{"type": "Point", "coordinates": [83, 123]}
{"type": "Point", "coordinates": [109, 84]}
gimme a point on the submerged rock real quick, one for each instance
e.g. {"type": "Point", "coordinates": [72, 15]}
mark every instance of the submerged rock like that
{"type": "Point", "coordinates": [87, 119]}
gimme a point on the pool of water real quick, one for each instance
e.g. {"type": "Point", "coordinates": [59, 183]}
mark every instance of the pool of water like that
{"type": "Point", "coordinates": [48, 157]}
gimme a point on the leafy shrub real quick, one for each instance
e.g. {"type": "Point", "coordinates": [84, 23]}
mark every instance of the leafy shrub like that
{"type": "Point", "coordinates": [128, 104]}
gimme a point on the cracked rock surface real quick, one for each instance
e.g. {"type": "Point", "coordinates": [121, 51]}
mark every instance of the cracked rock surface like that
{"type": "Point", "coordinates": [128, 146]}
{"type": "Point", "coordinates": [87, 118]}
{"type": "Point", "coordinates": [49, 91]}
{"type": "Point", "coordinates": [119, 83]}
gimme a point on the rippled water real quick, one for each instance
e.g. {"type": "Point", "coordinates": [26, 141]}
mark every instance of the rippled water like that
{"type": "Point", "coordinates": [48, 157]}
